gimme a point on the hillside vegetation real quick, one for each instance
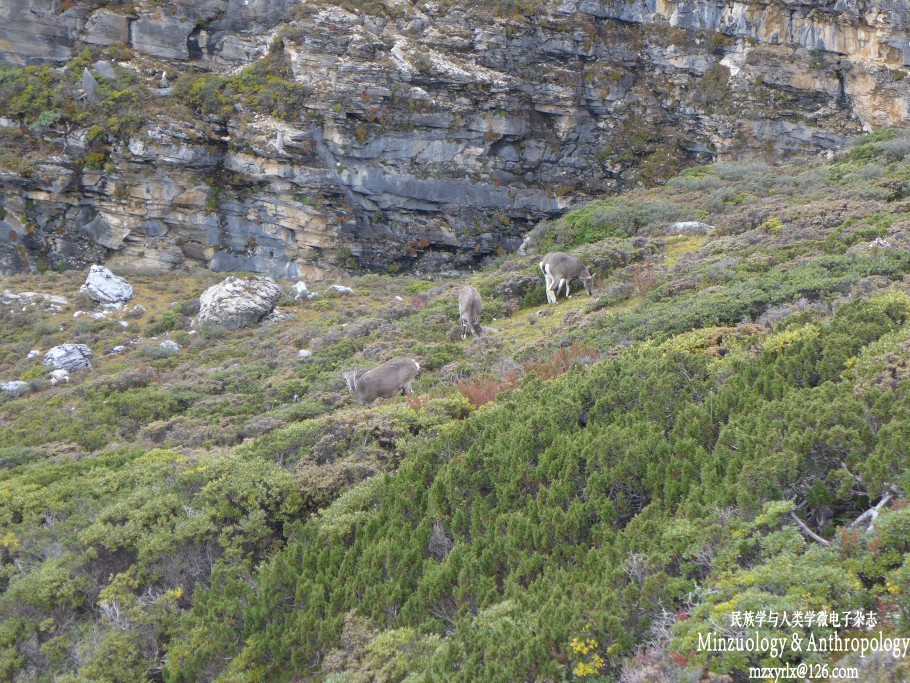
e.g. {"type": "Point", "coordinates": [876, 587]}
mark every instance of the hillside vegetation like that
{"type": "Point", "coordinates": [575, 496]}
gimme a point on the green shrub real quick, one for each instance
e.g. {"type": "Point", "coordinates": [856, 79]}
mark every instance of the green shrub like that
{"type": "Point", "coordinates": [169, 321]}
{"type": "Point", "coordinates": [267, 86]}
{"type": "Point", "coordinates": [419, 287]}
{"type": "Point", "coordinates": [156, 351]}
{"type": "Point", "coordinates": [536, 296]}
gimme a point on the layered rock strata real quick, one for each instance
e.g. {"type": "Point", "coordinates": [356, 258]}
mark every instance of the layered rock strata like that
{"type": "Point", "coordinates": [435, 135]}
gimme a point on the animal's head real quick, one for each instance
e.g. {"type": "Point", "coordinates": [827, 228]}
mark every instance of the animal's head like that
{"type": "Point", "coordinates": [351, 378]}
{"type": "Point", "coordinates": [588, 282]}
{"type": "Point", "coordinates": [477, 329]}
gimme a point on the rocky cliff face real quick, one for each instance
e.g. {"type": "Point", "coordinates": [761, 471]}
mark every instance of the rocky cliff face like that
{"type": "Point", "coordinates": [431, 135]}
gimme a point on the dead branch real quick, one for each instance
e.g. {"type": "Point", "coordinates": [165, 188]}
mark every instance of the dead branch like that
{"type": "Point", "coordinates": [872, 513]}
{"type": "Point", "coordinates": [806, 530]}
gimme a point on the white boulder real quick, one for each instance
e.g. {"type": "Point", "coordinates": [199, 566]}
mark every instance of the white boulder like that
{"type": "Point", "coordinates": [300, 289]}
{"type": "Point", "coordinates": [238, 302]}
{"type": "Point", "coordinates": [170, 345]}
{"type": "Point", "coordinates": [341, 289]}
{"type": "Point", "coordinates": [14, 387]}
{"type": "Point", "coordinates": [59, 376]}
{"type": "Point", "coordinates": [690, 227]}
{"type": "Point", "coordinates": [104, 287]}
{"type": "Point", "coordinates": [878, 244]}
{"type": "Point", "coordinates": [69, 357]}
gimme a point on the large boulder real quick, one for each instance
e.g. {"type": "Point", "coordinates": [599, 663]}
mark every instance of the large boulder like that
{"type": "Point", "coordinates": [104, 287]}
{"type": "Point", "coordinates": [14, 387]}
{"type": "Point", "coordinates": [161, 36]}
{"type": "Point", "coordinates": [237, 302]}
{"type": "Point", "coordinates": [69, 357]}
{"type": "Point", "coordinates": [104, 28]}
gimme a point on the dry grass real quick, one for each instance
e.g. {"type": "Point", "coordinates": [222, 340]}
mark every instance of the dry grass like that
{"type": "Point", "coordinates": [560, 362]}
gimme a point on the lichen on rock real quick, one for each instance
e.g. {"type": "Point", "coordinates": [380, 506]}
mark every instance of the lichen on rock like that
{"type": "Point", "coordinates": [237, 302]}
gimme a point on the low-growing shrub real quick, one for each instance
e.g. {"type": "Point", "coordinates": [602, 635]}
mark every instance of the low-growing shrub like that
{"type": "Point", "coordinates": [481, 390]}
{"type": "Point", "coordinates": [169, 321]}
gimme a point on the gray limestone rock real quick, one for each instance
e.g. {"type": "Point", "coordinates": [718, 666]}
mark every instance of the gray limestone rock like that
{"type": "Point", "coordinates": [459, 173]}
{"type": "Point", "coordinates": [300, 290]}
{"type": "Point", "coordinates": [14, 387]}
{"type": "Point", "coordinates": [170, 346]}
{"type": "Point", "coordinates": [103, 228]}
{"type": "Point", "coordinates": [341, 289]}
{"type": "Point", "coordinates": [32, 31]}
{"type": "Point", "coordinates": [275, 316]}
{"type": "Point", "coordinates": [689, 228]}
{"type": "Point", "coordinates": [164, 37]}
{"type": "Point", "coordinates": [104, 28]}
{"type": "Point", "coordinates": [89, 84]}
{"type": "Point", "coordinates": [237, 302]}
{"type": "Point", "coordinates": [58, 377]}
{"type": "Point", "coordinates": [105, 69]}
{"type": "Point", "coordinates": [69, 357]}
{"type": "Point", "coordinates": [878, 244]}
{"type": "Point", "coordinates": [106, 288]}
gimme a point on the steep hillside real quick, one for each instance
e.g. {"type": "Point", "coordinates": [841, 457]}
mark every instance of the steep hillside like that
{"type": "Point", "coordinates": [306, 140]}
{"type": "Point", "coordinates": [579, 494]}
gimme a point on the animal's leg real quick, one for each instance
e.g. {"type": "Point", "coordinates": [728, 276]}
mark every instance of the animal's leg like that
{"type": "Point", "coordinates": [551, 298]}
{"type": "Point", "coordinates": [464, 328]}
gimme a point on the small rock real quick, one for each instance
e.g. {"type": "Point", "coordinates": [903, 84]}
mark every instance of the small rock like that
{"type": "Point", "coordinates": [124, 323]}
{"type": "Point", "coordinates": [58, 376]}
{"type": "Point", "coordinates": [14, 387]}
{"type": "Point", "coordinates": [340, 289]}
{"type": "Point", "coordinates": [89, 84]}
{"type": "Point", "coordinates": [163, 83]}
{"type": "Point", "coordinates": [105, 69]}
{"type": "Point", "coordinates": [398, 298]}
{"type": "Point", "coordinates": [69, 357]}
{"type": "Point", "coordinates": [877, 244]}
{"type": "Point", "coordinates": [303, 353]}
{"type": "Point", "coordinates": [104, 287]}
{"type": "Point", "coordinates": [300, 288]}
{"type": "Point", "coordinates": [170, 345]}
{"type": "Point", "coordinates": [118, 349]}
{"type": "Point", "coordinates": [489, 330]}
{"type": "Point", "coordinates": [690, 227]}
{"type": "Point", "coordinates": [32, 354]}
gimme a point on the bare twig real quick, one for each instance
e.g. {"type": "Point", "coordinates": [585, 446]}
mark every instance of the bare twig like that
{"type": "Point", "coordinates": [872, 513]}
{"type": "Point", "coordinates": [806, 530]}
